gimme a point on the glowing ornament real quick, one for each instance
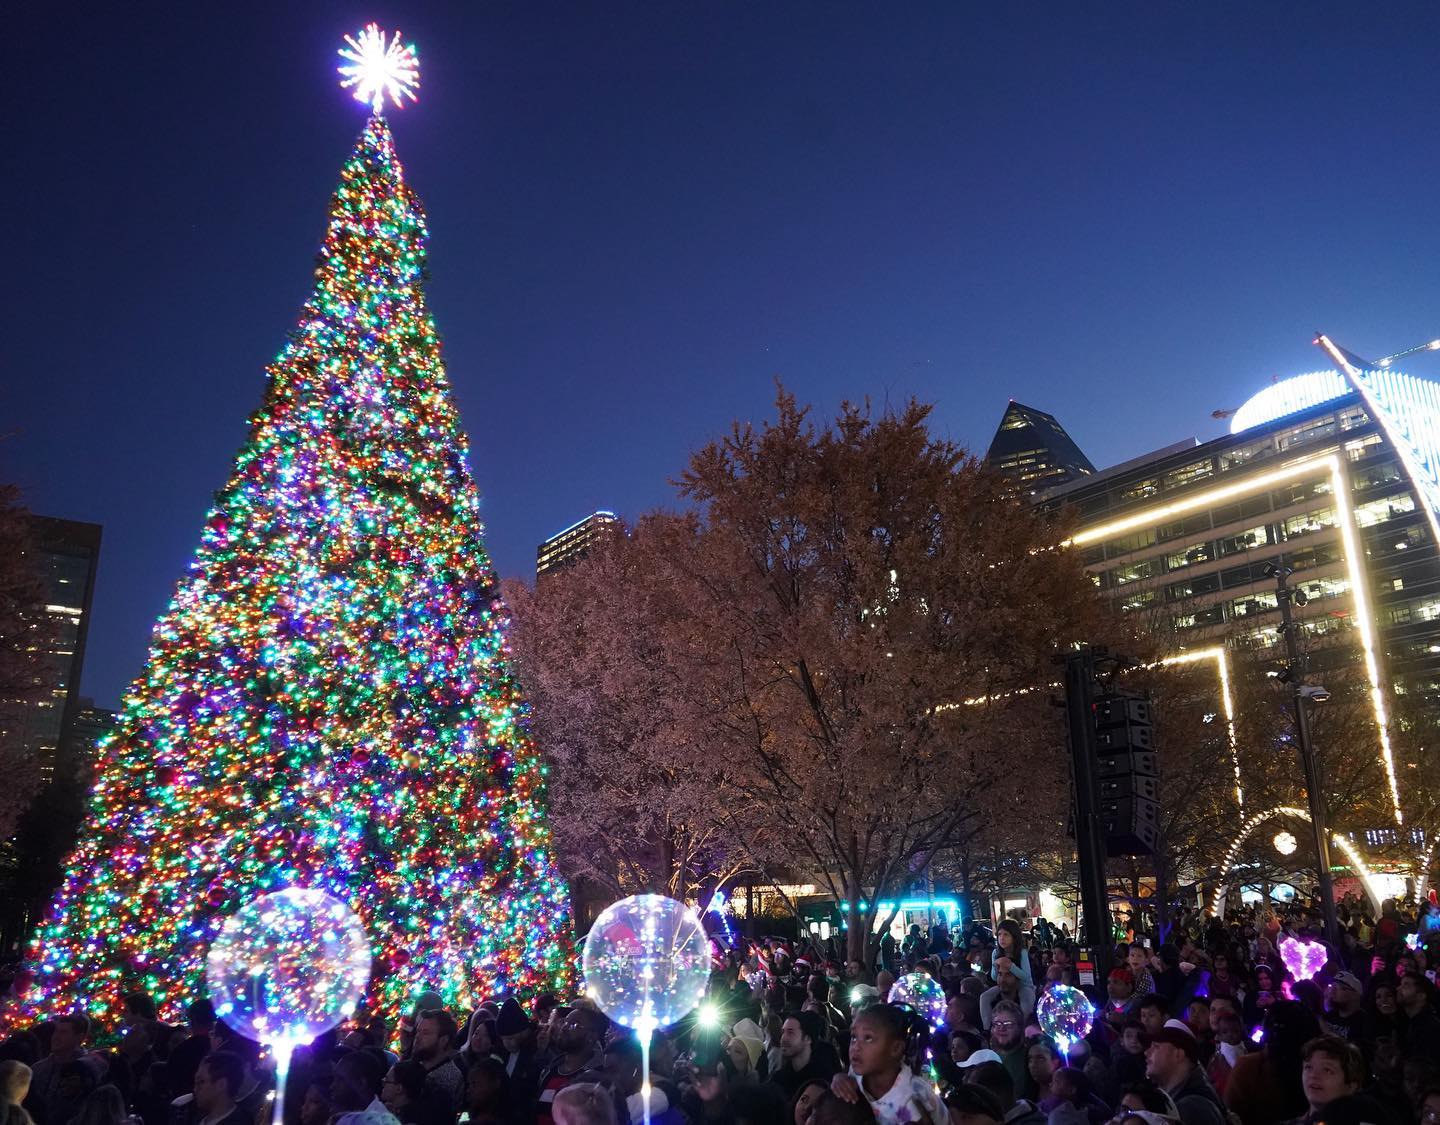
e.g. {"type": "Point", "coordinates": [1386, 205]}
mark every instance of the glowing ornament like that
{"type": "Point", "coordinates": [285, 968]}
{"type": "Point", "coordinates": [1303, 958]}
{"type": "Point", "coordinates": [1412, 941]}
{"type": "Point", "coordinates": [922, 993]}
{"type": "Point", "coordinates": [376, 68]}
{"type": "Point", "coordinates": [646, 963]}
{"type": "Point", "coordinates": [1065, 1014]}
{"type": "Point", "coordinates": [1285, 843]}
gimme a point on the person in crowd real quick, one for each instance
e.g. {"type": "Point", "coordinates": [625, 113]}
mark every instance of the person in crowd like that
{"type": "Point", "coordinates": [803, 1103]}
{"type": "Point", "coordinates": [1418, 1026]}
{"type": "Point", "coordinates": [1382, 1011]}
{"type": "Point", "coordinates": [1137, 960]}
{"type": "Point", "coordinates": [879, 1038]}
{"type": "Point", "coordinates": [1173, 1064]}
{"type": "Point", "coordinates": [518, 1050]}
{"type": "Point", "coordinates": [804, 1056]}
{"type": "Point", "coordinates": [578, 1057]}
{"type": "Point", "coordinates": [1263, 992]}
{"type": "Point", "coordinates": [1264, 1086]}
{"type": "Point", "coordinates": [1332, 1069]}
{"type": "Point", "coordinates": [1144, 1096]}
{"type": "Point", "coordinates": [1127, 1057]}
{"type": "Point", "coordinates": [407, 1094]}
{"type": "Point", "coordinates": [488, 1099]}
{"type": "Point", "coordinates": [49, 1102]}
{"type": "Point", "coordinates": [256, 1085]}
{"type": "Point", "coordinates": [217, 1084]}
{"type": "Point", "coordinates": [315, 1107]}
{"type": "Point", "coordinates": [1430, 1106]}
{"type": "Point", "coordinates": [1007, 1040]}
{"type": "Point", "coordinates": [185, 1056]}
{"type": "Point", "coordinates": [1230, 1045]}
{"type": "Point", "coordinates": [1151, 1012]}
{"type": "Point", "coordinates": [104, 1105]}
{"type": "Point", "coordinates": [1010, 946]}
{"type": "Point", "coordinates": [1344, 1015]}
{"type": "Point", "coordinates": [14, 1086]}
{"type": "Point", "coordinates": [1222, 980]}
{"type": "Point", "coordinates": [481, 1042]}
{"type": "Point", "coordinates": [1075, 1101]}
{"type": "Point", "coordinates": [1119, 994]}
{"type": "Point", "coordinates": [1008, 987]}
{"type": "Point", "coordinates": [355, 1091]}
{"type": "Point", "coordinates": [584, 1103]}
{"type": "Point", "coordinates": [624, 1074]}
{"type": "Point", "coordinates": [433, 1047]}
{"type": "Point", "coordinates": [974, 1105]}
{"type": "Point", "coordinates": [992, 1076]}
{"type": "Point", "coordinates": [1197, 1018]}
{"type": "Point", "coordinates": [746, 1048]}
{"type": "Point", "coordinates": [1042, 1060]}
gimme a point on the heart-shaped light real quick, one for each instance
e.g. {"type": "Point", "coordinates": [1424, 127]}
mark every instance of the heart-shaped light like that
{"type": "Point", "coordinates": [1303, 958]}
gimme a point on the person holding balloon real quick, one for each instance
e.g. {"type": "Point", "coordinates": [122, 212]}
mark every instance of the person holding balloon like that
{"type": "Point", "coordinates": [879, 1041]}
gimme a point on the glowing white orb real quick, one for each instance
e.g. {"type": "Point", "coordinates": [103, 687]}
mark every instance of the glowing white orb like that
{"type": "Point", "coordinates": [376, 68]}
{"type": "Point", "coordinates": [288, 966]}
{"type": "Point", "coordinates": [1285, 843]}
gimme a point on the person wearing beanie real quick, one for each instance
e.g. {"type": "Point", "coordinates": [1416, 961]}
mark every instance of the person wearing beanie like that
{"type": "Point", "coordinates": [1172, 1063]}
{"type": "Point", "coordinates": [518, 1052]}
{"type": "Point", "coordinates": [746, 1045]}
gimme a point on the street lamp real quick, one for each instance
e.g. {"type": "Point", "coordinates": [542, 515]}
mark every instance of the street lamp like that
{"type": "Point", "coordinates": [1302, 697]}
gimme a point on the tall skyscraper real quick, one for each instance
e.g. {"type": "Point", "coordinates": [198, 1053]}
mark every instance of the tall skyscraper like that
{"type": "Point", "coordinates": [573, 543]}
{"type": "Point", "coordinates": [67, 552]}
{"type": "Point", "coordinates": [1032, 449]}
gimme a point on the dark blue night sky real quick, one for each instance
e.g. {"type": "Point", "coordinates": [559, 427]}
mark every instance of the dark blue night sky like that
{"type": "Point", "coordinates": [1129, 214]}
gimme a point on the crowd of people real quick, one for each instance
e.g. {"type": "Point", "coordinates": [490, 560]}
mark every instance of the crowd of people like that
{"type": "Point", "coordinates": [1205, 1027]}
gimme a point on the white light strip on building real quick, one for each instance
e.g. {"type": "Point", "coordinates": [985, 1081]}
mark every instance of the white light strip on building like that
{"type": "Point", "coordinates": [1344, 520]}
{"type": "Point", "coordinates": [1221, 657]}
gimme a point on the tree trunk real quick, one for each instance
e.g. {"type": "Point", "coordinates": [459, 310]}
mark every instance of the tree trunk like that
{"type": "Point", "coordinates": [857, 933]}
{"type": "Point", "coordinates": [967, 906]}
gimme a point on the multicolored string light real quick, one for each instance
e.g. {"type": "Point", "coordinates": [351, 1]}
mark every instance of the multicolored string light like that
{"type": "Point", "coordinates": [328, 701]}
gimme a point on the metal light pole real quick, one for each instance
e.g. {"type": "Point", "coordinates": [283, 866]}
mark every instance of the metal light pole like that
{"type": "Point", "coordinates": [1300, 701]}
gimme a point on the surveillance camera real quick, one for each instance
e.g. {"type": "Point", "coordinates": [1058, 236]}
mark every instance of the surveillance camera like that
{"type": "Point", "coordinates": [1299, 596]}
{"type": "Point", "coordinates": [1314, 692]}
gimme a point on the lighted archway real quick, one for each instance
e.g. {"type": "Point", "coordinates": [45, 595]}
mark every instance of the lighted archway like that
{"type": "Point", "coordinates": [1338, 841]}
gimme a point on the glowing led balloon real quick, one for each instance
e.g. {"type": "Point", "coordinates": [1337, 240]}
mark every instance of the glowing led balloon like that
{"type": "Point", "coordinates": [923, 993]}
{"type": "Point", "coordinates": [288, 966]}
{"type": "Point", "coordinates": [376, 68]}
{"type": "Point", "coordinates": [1303, 958]}
{"type": "Point", "coordinates": [646, 963]}
{"type": "Point", "coordinates": [1065, 1014]}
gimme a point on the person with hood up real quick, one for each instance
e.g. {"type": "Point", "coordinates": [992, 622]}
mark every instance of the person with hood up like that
{"type": "Point", "coordinates": [746, 1049]}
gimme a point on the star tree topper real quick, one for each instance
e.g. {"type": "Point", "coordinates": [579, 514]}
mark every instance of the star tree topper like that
{"type": "Point", "coordinates": [375, 68]}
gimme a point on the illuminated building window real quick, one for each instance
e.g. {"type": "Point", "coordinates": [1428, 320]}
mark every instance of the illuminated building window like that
{"type": "Point", "coordinates": [1245, 541]}
{"type": "Point", "coordinates": [1126, 544]}
{"type": "Point", "coordinates": [1379, 511]}
{"type": "Point", "coordinates": [1253, 604]}
{"type": "Point", "coordinates": [1187, 474]}
{"type": "Point", "coordinates": [1190, 556]}
{"type": "Point", "coordinates": [1194, 587]}
{"type": "Point", "coordinates": [1184, 529]}
{"type": "Point", "coordinates": [1309, 522]}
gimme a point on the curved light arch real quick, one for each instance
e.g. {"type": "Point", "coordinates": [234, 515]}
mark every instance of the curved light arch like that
{"type": "Point", "coordinates": [1352, 855]}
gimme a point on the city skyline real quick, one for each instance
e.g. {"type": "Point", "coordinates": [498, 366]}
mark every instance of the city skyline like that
{"type": "Point", "coordinates": [640, 219]}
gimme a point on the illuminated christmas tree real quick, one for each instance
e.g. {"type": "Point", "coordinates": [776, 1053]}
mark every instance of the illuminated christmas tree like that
{"type": "Point", "coordinates": [328, 700]}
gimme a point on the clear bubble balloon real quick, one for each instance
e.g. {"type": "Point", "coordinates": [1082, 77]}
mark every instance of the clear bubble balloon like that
{"type": "Point", "coordinates": [646, 961]}
{"type": "Point", "coordinates": [921, 992]}
{"type": "Point", "coordinates": [288, 966]}
{"type": "Point", "coordinates": [1065, 1014]}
